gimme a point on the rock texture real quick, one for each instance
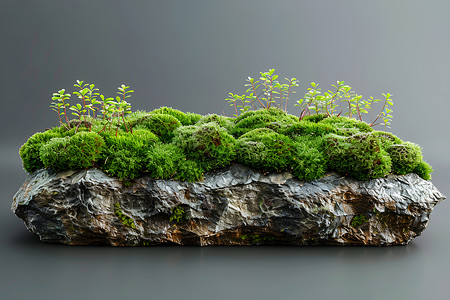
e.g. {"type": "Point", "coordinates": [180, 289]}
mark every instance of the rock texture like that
{"type": "Point", "coordinates": [232, 206]}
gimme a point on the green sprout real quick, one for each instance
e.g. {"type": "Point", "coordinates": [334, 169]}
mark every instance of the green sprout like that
{"type": "Point", "coordinates": [60, 97]}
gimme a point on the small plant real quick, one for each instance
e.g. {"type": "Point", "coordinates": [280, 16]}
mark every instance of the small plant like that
{"type": "Point", "coordinates": [272, 89]}
{"type": "Point", "coordinates": [358, 220]}
{"type": "Point", "coordinates": [122, 107]}
{"type": "Point", "coordinates": [326, 103]}
{"type": "Point", "coordinates": [60, 97]}
{"type": "Point", "coordinates": [178, 215]}
{"type": "Point", "coordinates": [124, 219]}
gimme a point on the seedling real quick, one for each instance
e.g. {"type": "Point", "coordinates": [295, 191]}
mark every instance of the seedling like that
{"type": "Point", "coordinates": [60, 103]}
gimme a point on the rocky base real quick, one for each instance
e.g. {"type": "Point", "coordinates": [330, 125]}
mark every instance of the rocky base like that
{"type": "Point", "coordinates": [232, 206]}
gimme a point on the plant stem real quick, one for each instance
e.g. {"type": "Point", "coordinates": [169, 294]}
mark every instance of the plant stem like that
{"type": "Point", "coordinates": [271, 91]}
{"type": "Point", "coordinates": [256, 95]}
{"type": "Point", "coordinates": [384, 105]}
{"type": "Point", "coordinates": [287, 97]}
{"type": "Point", "coordinates": [123, 118]}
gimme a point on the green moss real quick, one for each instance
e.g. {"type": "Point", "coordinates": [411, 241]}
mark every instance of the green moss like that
{"type": "Point", "coordinates": [30, 151]}
{"type": "Point", "coordinates": [358, 220]}
{"type": "Point", "coordinates": [209, 145]}
{"type": "Point", "coordinates": [124, 219]}
{"type": "Point", "coordinates": [163, 125]}
{"type": "Point", "coordinates": [405, 157]}
{"type": "Point", "coordinates": [178, 114]}
{"type": "Point", "coordinates": [125, 156]}
{"type": "Point", "coordinates": [386, 139]}
{"type": "Point", "coordinates": [256, 239]}
{"type": "Point", "coordinates": [167, 161]}
{"type": "Point", "coordinates": [222, 121]}
{"type": "Point", "coordinates": [424, 170]}
{"type": "Point", "coordinates": [264, 149]}
{"type": "Point", "coordinates": [308, 128]}
{"type": "Point", "coordinates": [346, 126]}
{"type": "Point", "coordinates": [169, 144]}
{"type": "Point", "coordinates": [360, 156]}
{"type": "Point", "coordinates": [192, 118]}
{"type": "Point", "coordinates": [315, 118]}
{"type": "Point", "coordinates": [178, 215]}
{"type": "Point", "coordinates": [308, 160]}
{"type": "Point", "coordinates": [54, 154]}
{"type": "Point", "coordinates": [275, 119]}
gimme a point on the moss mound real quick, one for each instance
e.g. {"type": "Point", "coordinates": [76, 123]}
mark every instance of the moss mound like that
{"type": "Point", "coordinates": [169, 144]}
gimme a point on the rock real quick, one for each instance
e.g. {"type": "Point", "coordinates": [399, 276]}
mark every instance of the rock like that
{"type": "Point", "coordinates": [232, 206]}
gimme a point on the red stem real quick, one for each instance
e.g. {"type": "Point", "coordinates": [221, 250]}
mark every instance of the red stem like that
{"type": "Point", "coordinates": [254, 91]}
{"type": "Point", "coordinates": [287, 97]}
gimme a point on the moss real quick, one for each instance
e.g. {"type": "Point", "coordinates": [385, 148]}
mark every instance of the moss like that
{"type": "Point", "coordinates": [169, 144]}
{"type": "Point", "coordinates": [358, 220]}
{"type": "Point", "coordinates": [256, 239]}
{"type": "Point", "coordinates": [124, 219]}
{"type": "Point", "coordinates": [192, 118]}
{"type": "Point", "coordinates": [163, 125]}
{"type": "Point", "coordinates": [30, 151]}
{"type": "Point", "coordinates": [85, 149]}
{"type": "Point", "coordinates": [178, 114]}
{"type": "Point", "coordinates": [54, 155]}
{"type": "Point", "coordinates": [209, 145]}
{"type": "Point", "coordinates": [264, 149]}
{"type": "Point", "coordinates": [347, 126]}
{"type": "Point", "coordinates": [308, 162]}
{"type": "Point", "coordinates": [178, 215]}
{"type": "Point", "coordinates": [387, 139]}
{"type": "Point", "coordinates": [80, 151]}
{"type": "Point", "coordinates": [167, 161]}
{"type": "Point", "coordinates": [124, 156]}
{"type": "Point", "coordinates": [308, 128]}
{"type": "Point", "coordinates": [222, 121]}
{"type": "Point", "coordinates": [272, 118]}
{"type": "Point", "coordinates": [315, 118]}
{"type": "Point", "coordinates": [360, 156]}
{"type": "Point", "coordinates": [405, 157]}
{"type": "Point", "coordinates": [424, 170]}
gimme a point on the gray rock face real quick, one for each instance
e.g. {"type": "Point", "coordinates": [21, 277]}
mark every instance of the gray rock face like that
{"type": "Point", "coordinates": [232, 206]}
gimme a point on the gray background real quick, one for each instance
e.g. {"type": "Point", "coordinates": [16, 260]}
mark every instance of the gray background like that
{"type": "Point", "coordinates": [189, 55]}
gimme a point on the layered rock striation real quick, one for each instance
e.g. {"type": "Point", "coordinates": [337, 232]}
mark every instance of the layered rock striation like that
{"type": "Point", "coordinates": [232, 206]}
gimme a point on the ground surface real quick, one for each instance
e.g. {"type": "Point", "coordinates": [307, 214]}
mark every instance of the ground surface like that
{"type": "Point", "coordinates": [45, 271]}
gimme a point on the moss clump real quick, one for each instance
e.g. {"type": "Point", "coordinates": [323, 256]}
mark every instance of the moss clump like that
{"type": "Point", "coordinates": [315, 118]}
{"type": "Point", "coordinates": [358, 220]}
{"type": "Point", "coordinates": [178, 114]}
{"type": "Point", "coordinates": [167, 161]}
{"type": "Point", "coordinates": [169, 144]}
{"type": "Point", "coordinates": [424, 170]}
{"type": "Point", "coordinates": [308, 161]}
{"type": "Point", "coordinates": [30, 151]}
{"type": "Point", "coordinates": [347, 126]}
{"type": "Point", "coordinates": [405, 157]}
{"type": "Point", "coordinates": [209, 145]}
{"type": "Point", "coordinates": [125, 155]}
{"type": "Point", "coordinates": [264, 149]}
{"type": "Point", "coordinates": [386, 139]}
{"type": "Point", "coordinates": [275, 119]}
{"type": "Point", "coordinates": [222, 121]}
{"type": "Point", "coordinates": [178, 215]}
{"type": "Point", "coordinates": [308, 128]}
{"type": "Point", "coordinates": [360, 156]}
{"type": "Point", "coordinates": [163, 125]}
{"type": "Point", "coordinates": [80, 151]}
{"type": "Point", "coordinates": [124, 219]}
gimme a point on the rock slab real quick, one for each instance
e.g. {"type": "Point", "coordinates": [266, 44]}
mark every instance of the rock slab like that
{"type": "Point", "coordinates": [232, 206]}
